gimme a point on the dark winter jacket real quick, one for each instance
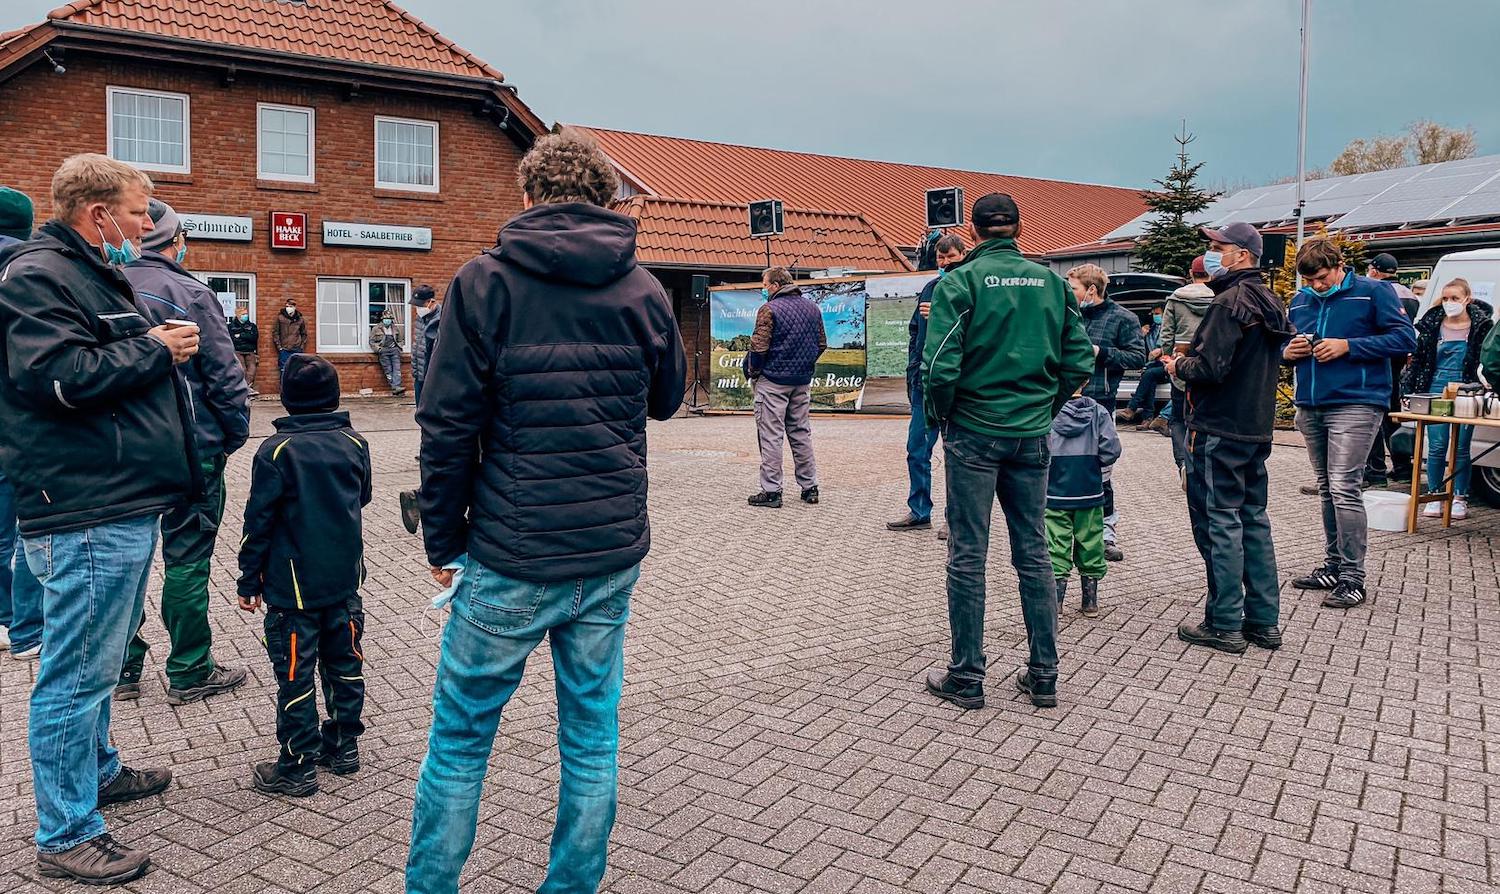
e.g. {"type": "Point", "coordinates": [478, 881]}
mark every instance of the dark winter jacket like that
{"type": "Point", "coordinates": [788, 340]}
{"type": "Point", "coordinates": [304, 534]}
{"type": "Point", "coordinates": [424, 340]}
{"type": "Point", "coordinates": [92, 421]}
{"type": "Point", "coordinates": [245, 336]}
{"type": "Point", "coordinates": [916, 339]}
{"type": "Point", "coordinates": [554, 348]}
{"type": "Point", "coordinates": [1423, 366]}
{"type": "Point", "coordinates": [215, 381]}
{"type": "Point", "coordinates": [290, 333]}
{"type": "Point", "coordinates": [1368, 313]}
{"type": "Point", "coordinates": [1232, 365]}
{"type": "Point", "coordinates": [1083, 443]}
{"type": "Point", "coordinates": [1117, 333]}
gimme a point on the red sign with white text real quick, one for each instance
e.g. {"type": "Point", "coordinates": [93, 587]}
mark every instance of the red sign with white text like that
{"type": "Point", "coordinates": [288, 229]}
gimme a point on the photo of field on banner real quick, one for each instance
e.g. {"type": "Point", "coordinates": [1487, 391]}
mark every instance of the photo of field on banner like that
{"type": "Point", "coordinates": [843, 374]}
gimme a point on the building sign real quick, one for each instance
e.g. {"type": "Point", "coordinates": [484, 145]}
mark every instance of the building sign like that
{"type": "Point", "coordinates": [215, 226]}
{"type": "Point", "coordinates": [288, 229]}
{"type": "Point", "coordinates": [376, 235]}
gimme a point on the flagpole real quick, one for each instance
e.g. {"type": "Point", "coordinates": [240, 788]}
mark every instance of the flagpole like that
{"type": "Point", "coordinates": [1302, 137]}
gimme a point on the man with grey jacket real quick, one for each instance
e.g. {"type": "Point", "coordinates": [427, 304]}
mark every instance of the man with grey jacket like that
{"type": "Point", "coordinates": [221, 424]}
{"type": "Point", "coordinates": [1180, 320]}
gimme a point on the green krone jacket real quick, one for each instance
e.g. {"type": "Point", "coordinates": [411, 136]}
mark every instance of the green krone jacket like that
{"type": "Point", "coordinates": [1006, 346]}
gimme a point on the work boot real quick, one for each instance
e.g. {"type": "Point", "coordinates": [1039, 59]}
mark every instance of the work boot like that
{"type": "Point", "coordinates": [1127, 416]}
{"type": "Point", "coordinates": [1231, 641]}
{"type": "Point", "coordinates": [133, 785]}
{"type": "Point", "coordinates": [810, 495]}
{"type": "Point", "coordinates": [128, 692]}
{"type": "Point", "coordinates": [343, 759]}
{"type": "Point", "coordinates": [1062, 590]}
{"type": "Point", "coordinates": [1264, 637]}
{"type": "Point", "coordinates": [943, 532]}
{"type": "Point", "coordinates": [273, 779]}
{"type": "Point", "coordinates": [1090, 607]}
{"type": "Point", "coordinates": [966, 695]}
{"type": "Point", "coordinates": [98, 861]}
{"type": "Point", "coordinates": [1113, 553]}
{"type": "Point", "coordinates": [909, 523]}
{"type": "Point", "coordinates": [220, 679]}
{"type": "Point", "coordinates": [1043, 693]}
{"type": "Point", "coordinates": [766, 500]}
{"type": "Point", "coordinates": [1309, 490]}
{"type": "Point", "coordinates": [411, 516]}
{"type": "Point", "coordinates": [1160, 426]}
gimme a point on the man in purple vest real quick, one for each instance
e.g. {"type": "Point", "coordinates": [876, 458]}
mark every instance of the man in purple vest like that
{"type": "Point", "coordinates": [788, 339]}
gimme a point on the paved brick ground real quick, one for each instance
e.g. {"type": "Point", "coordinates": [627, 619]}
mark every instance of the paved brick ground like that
{"type": "Point", "coordinates": [776, 737]}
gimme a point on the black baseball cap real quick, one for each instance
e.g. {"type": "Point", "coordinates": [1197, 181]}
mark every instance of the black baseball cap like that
{"type": "Point", "coordinates": [1240, 234]}
{"type": "Point", "coordinates": [422, 294]}
{"type": "Point", "coordinates": [1385, 263]}
{"type": "Point", "coordinates": [995, 210]}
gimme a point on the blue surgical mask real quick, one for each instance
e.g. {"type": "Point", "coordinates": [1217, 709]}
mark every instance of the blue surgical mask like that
{"type": "Point", "coordinates": [1156, 318]}
{"type": "Point", "coordinates": [942, 272]}
{"type": "Point", "coordinates": [765, 294]}
{"type": "Point", "coordinates": [127, 253]}
{"type": "Point", "coordinates": [244, 318]}
{"type": "Point", "coordinates": [1213, 262]}
{"type": "Point", "coordinates": [1325, 293]}
{"type": "Point", "coordinates": [181, 253]}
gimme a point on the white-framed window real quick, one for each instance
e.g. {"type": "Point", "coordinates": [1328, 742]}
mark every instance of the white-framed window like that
{"type": "Point", "coordinates": [285, 138]}
{"type": "Point", "coordinates": [349, 307]}
{"type": "Point", "coordinates": [406, 154]}
{"type": "Point", "coordinates": [148, 129]}
{"type": "Point", "coordinates": [236, 292]}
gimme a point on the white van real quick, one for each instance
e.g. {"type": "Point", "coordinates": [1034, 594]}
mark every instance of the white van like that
{"type": "Point", "coordinates": [1482, 269]}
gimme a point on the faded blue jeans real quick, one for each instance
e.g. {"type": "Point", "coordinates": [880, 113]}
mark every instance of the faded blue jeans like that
{"type": "Point", "coordinates": [497, 621]}
{"type": "Point", "coordinates": [20, 595]}
{"type": "Point", "coordinates": [93, 592]}
{"type": "Point", "coordinates": [920, 439]}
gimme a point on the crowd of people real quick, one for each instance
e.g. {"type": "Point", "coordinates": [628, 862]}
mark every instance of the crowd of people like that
{"type": "Point", "coordinates": [124, 390]}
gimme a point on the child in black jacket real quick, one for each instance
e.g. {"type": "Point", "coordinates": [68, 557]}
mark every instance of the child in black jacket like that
{"type": "Point", "coordinates": [303, 554]}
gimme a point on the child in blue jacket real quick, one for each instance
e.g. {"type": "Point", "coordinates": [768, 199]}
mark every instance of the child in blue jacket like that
{"type": "Point", "coordinates": [1084, 443]}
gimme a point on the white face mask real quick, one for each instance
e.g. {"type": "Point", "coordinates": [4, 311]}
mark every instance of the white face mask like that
{"type": "Point", "coordinates": [291, 311]}
{"type": "Point", "coordinates": [1453, 308]}
{"type": "Point", "coordinates": [424, 310]}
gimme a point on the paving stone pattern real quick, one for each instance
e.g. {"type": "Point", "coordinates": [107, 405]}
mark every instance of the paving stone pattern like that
{"type": "Point", "coordinates": [775, 735]}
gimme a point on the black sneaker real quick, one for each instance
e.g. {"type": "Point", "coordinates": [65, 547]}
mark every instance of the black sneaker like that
{"type": "Point", "coordinates": [910, 523]}
{"type": "Point", "coordinates": [1043, 694]}
{"type": "Point", "coordinates": [966, 695]}
{"type": "Point", "coordinates": [1325, 578]}
{"type": "Point", "coordinates": [1345, 595]}
{"type": "Point", "coordinates": [810, 495]}
{"type": "Point", "coordinates": [98, 861]}
{"type": "Point", "coordinates": [342, 760]}
{"type": "Point", "coordinates": [1264, 637]}
{"type": "Point", "coordinates": [133, 785]}
{"type": "Point", "coordinates": [270, 777]}
{"type": "Point", "coordinates": [1113, 553]}
{"type": "Point", "coordinates": [411, 516]}
{"type": "Point", "coordinates": [1231, 641]}
{"type": "Point", "coordinates": [128, 692]}
{"type": "Point", "coordinates": [220, 679]}
{"type": "Point", "coordinates": [766, 500]}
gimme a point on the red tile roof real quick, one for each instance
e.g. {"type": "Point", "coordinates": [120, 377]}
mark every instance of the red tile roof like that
{"type": "Point", "coordinates": [715, 234]}
{"type": "Point", "coordinates": [1056, 213]}
{"type": "Point", "coordinates": [373, 32]}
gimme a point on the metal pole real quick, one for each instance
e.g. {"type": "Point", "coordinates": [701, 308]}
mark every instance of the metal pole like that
{"type": "Point", "coordinates": [768, 252]}
{"type": "Point", "coordinates": [1302, 137]}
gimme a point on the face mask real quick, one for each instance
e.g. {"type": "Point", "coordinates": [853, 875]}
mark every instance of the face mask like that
{"type": "Point", "coordinates": [387, 321]}
{"type": "Point", "coordinates": [424, 310]}
{"type": "Point", "coordinates": [181, 253]}
{"type": "Point", "coordinates": [290, 311]}
{"type": "Point", "coordinates": [1213, 262]}
{"type": "Point", "coordinates": [244, 318]}
{"type": "Point", "coordinates": [1453, 308]}
{"type": "Point", "coordinates": [765, 294]}
{"type": "Point", "coordinates": [126, 253]}
{"type": "Point", "coordinates": [942, 272]}
{"type": "Point", "coordinates": [1326, 293]}
{"type": "Point", "coordinates": [1156, 318]}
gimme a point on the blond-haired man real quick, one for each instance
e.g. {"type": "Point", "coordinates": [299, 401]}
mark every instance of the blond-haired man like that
{"type": "Point", "coordinates": [92, 437]}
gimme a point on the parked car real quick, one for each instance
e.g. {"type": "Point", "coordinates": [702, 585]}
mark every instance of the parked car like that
{"type": "Point", "coordinates": [1482, 269]}
{"type": "Point", "coordinates": [1139, 293]}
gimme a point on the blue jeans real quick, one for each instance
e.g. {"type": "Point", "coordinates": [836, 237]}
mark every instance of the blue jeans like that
{"type": "Point", "coordinates": [390, 365]}
{"type": "Point", "coordinates": [281, 358]}
{"type": "Point", "coordinates": [497, 621]}
{"type": "Point", "coordinates": [1143, 400]}
{"type": "Point", "coordinates": [979, 469]}
{"type": "Point", "coordinates": [920, 439]}
{"type": "Point", "coordinates": [20, 595]}
{"type": "Point", "coordinates": [1437, 458]}
{"type": "Point", "coordinates": [93, 592]}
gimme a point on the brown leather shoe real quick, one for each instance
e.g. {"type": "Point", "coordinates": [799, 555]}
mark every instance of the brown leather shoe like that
{"type": "Point", "coordinates": [133, 785]}
{"type": "Point", "coordinates": [98, 861]}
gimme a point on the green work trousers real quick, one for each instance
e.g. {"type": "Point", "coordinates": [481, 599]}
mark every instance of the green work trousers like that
{"type": "Point", "coordinates": [1076, 537]}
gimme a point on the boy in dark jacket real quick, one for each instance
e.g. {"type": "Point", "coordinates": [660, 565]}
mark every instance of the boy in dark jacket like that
{"type": "Point", "coordinates": [1083, 443]}
{"type": "Point", "coordinates": [303, 554]}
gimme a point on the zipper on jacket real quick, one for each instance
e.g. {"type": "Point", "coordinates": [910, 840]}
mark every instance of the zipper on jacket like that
{"type": "Point", "coordinates": [296, 588]}
{"type": "Point", "coordinates": [119, 438]}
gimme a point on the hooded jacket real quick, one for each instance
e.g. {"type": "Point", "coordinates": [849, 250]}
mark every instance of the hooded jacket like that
{"type": "Point", "coordinates": [214, 379]}
{"type": "Point", "coordinates": [1083, 443]}
{"type": "Point", "coordinates": [1231, 368]}
{"type": "Point", "coordinates": [1006, 346]}
{"type": "Point", "coordinates": [290, 333]}
{"type": "Point", "coordinates": [553, 350]}
{"type": "Point", "coordinates": [1117, 333]}
{"type": "Point", "coordinates": [1182, 316]}
{"type": "Point", "coordinates": [91, 417]}
{"type": "Point", "coordinates": [1368, 313]}
{"type": "Point", "coordinates": [1423, 366]}
{"type": "Point", "coordinates": [304, 537]}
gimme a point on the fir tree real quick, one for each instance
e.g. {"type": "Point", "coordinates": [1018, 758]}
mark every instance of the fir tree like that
{"type": "Point", "coordinates": [1172, 239]}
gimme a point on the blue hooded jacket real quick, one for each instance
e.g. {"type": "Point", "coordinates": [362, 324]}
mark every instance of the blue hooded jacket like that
{"type": "Point", "coordinates": [1366, 312]}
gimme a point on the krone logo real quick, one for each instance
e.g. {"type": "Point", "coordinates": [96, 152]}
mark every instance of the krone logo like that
{"type": "Point", "coordinates": [992, 281]}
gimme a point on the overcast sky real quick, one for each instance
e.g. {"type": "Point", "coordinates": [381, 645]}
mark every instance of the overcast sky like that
{"type": "Point", "coordinates": [1088, 90]}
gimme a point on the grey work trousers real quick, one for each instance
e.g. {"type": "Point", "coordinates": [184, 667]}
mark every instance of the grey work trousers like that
{"type": "Point", "coordinates": [782, 413]}
{"type": "Point", "coordinates": [1338, 443]}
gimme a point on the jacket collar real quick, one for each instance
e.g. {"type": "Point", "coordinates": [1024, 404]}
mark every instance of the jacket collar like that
{"type": "Point", "coordinates": [71, 243]}
{"type": "Point", "coordinates": [305, 422]}
{"type": "Point", "coordinates": [792, 291]}
{"type": "Point", "coordinates": [152, 258]}
{"type": "Point", "coordinates": [1229, 279]}
{"type": "Point", "coordinates": [1094, 310]}
{"type": "Point", "coordinates": [991, 247]}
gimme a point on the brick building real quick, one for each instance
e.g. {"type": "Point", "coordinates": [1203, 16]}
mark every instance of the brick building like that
{"type": "Point", "coordinates": [386, 153]}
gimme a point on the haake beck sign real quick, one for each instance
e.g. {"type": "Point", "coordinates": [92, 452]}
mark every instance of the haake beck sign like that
{"type": "Point", "coordinates": [288, 229]}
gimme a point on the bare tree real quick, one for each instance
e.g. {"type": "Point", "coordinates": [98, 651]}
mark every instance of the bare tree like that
{"type": "Point", "coordinates": [1432, 142]}
{"type": "Point", "coordinates": [1376, 154]}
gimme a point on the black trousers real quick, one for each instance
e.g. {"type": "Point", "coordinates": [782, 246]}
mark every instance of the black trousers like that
{"type": "Point", "coordinates": [1227, 497]}
{"type": "Point", "coordinates": [325, 641]}
{"type": "Point", "coordinates": [1400, 463]}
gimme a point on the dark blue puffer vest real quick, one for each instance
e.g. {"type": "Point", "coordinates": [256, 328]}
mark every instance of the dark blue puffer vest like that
{"type": "Point", "coordinates": [794, 340]}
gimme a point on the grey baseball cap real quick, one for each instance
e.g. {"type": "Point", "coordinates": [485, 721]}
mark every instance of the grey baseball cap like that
{"type": "Point", "coordinates": [1240, 234]}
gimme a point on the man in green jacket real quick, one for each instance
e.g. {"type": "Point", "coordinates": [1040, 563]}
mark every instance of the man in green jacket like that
{"type": "Point", "coordinates": [1006, 348]}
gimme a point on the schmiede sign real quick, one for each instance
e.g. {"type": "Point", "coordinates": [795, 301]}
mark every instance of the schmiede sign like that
{"type": "Point", "coordinates": [218, 226]}
{"type": "Point", "coordinates": [376, 235]}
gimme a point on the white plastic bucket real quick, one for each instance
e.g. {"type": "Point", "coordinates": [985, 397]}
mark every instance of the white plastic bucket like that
{"type": "Point", "coordinates": [1386, 509]}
